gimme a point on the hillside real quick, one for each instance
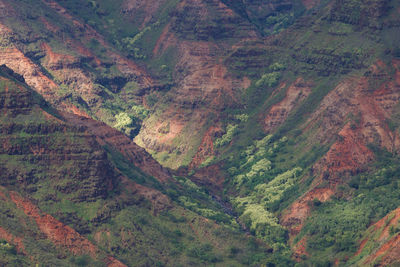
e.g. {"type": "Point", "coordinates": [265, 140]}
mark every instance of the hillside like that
{"type": "Point", "coordinates": [188, 132]}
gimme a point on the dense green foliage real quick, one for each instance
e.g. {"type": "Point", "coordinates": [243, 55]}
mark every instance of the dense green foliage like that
{"type": "Point", "coordinates": [337, 226]}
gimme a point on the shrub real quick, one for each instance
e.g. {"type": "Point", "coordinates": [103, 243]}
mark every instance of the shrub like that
{"type": "Point", "coordinates": [140, 112]}
{"type": "Point", "coordinates": [122, 121]}
{"type": "Point", "coordinates": [277, 67]}
{"type": "Point", "coordinates": [242, 117]}
{"type": "Point", "coordinates": [126, 124]}
{"type": "Point", "coordinates": [231, 131]}
{"type": "Point", "coordinates": [4, 245]}
{"type": "Point", "coordinates": [203, 253]}
{"type": "Point", "coordinates": [269, 79]}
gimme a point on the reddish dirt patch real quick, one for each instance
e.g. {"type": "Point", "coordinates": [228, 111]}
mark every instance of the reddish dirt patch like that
{"type": "Point", "coordinates": [165, 40]}
{"type": "Point", "coordinates": [300, 210]}
{"type": "Point", "coordinates": [58, 233]}
{"type": "Point", "coordinates": [310, 3]}
{"type": "Point", "coordinates": [49, 26]}
{"type": "Point", "coordinates": [84, 51]}
{"type": "Point", "coordinates": [295, 94]}
{"type": "Point", "coordinates": [62, 11]}
{"type": "Point", "coordinates": [299, 250]}
{"type": "Point", "coordinates": [112, 262]}
{"type": "Point", "coordinates": [384, 222]}
{"type": "Point", "coordinates": [56, 58]}
{"type": "Point", "coordinates": [74, 110]}
{"type": "Point", "coordinates": [390, 252]}
{"type": "Point", "coordinates": [206, 148]}
{"type": "Point", "coordinates": [349, 155]}
{"type": "Point", "coordinates": [16, 241]}
{"type": "Point", "coordinates": [16, 60]}
{"type": "Point", "coordinates": [362, 245]}
{"type": "Point", "coordinates": [168, 130]}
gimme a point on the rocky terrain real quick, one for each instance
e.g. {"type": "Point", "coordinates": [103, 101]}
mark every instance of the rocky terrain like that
{"type": "Point", "coordinates": [197, 133]}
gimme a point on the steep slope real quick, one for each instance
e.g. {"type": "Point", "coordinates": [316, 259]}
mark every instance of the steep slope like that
{"type": "Point", "coordinates": [286, 111]}
{"type": "Point", "coordinates": [380, 246]}
{"type": "Point", "coordinates": [301, 180]}
{"type": "Point", "coordinates": [43, 156]}
{"type": "Point", "coordinates": [68, 62]}
{"type": "Point", "coordinates": [71, 195]}
{"type": "Point", "coordinates": [95, 74]}
{"type": "Point", "coordinates": [160, 64]}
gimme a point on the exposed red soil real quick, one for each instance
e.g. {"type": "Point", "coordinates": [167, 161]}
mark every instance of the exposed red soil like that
{"type": "Point", "coordinates": [362, 245]}
{"type": "Point", "coordinates": [58, 233]}
{"type": "Point", "coordinates": [278, 113]}
{"type": "Point", "coordinates": [349, 154]}
{"type": "Point", "coordinates": [336, 262]}
{"type": "Point", "coordinates": [56, 58]}
{"type": "Point", "coordinates": [165, 40]}
{"type": "Point", "coordinates": [384, 222]}
{"type": "Point", "coordinates": [204, 82]}
{"type": "Point", "coordinates": [390, 252]}
{"type": "Point", "coordinates": [3, 196]}
{"type": "Point", "coordinates": [206, 148]}
{"type": "Point", "coordinates": [16, 241]}
{"type": "Point", "coordinates": [79, 47]}
{"type": "Point", "coordinates": [62, 11]}
{"type": "Point", "coordinates": [16, 60]}
{"type": "Point", "coordinates": [124, 65]}
{"type": "Point", "coordinates": [49, 26]}
{"type": "Point", "coordinates": [310, 3]}
{"type": "Point", "coordinates": [74, 110]}
{"type": "Point", "coordinates": [173, 129]}
{"type": "Point", "coordinates": [299, 249]}
{"type": "Point", "coordinates": [295, 216]}
{"type": "Point", "coordinates": [112, 262]}
{"type": "Point", "coordinates": [4, 29]}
